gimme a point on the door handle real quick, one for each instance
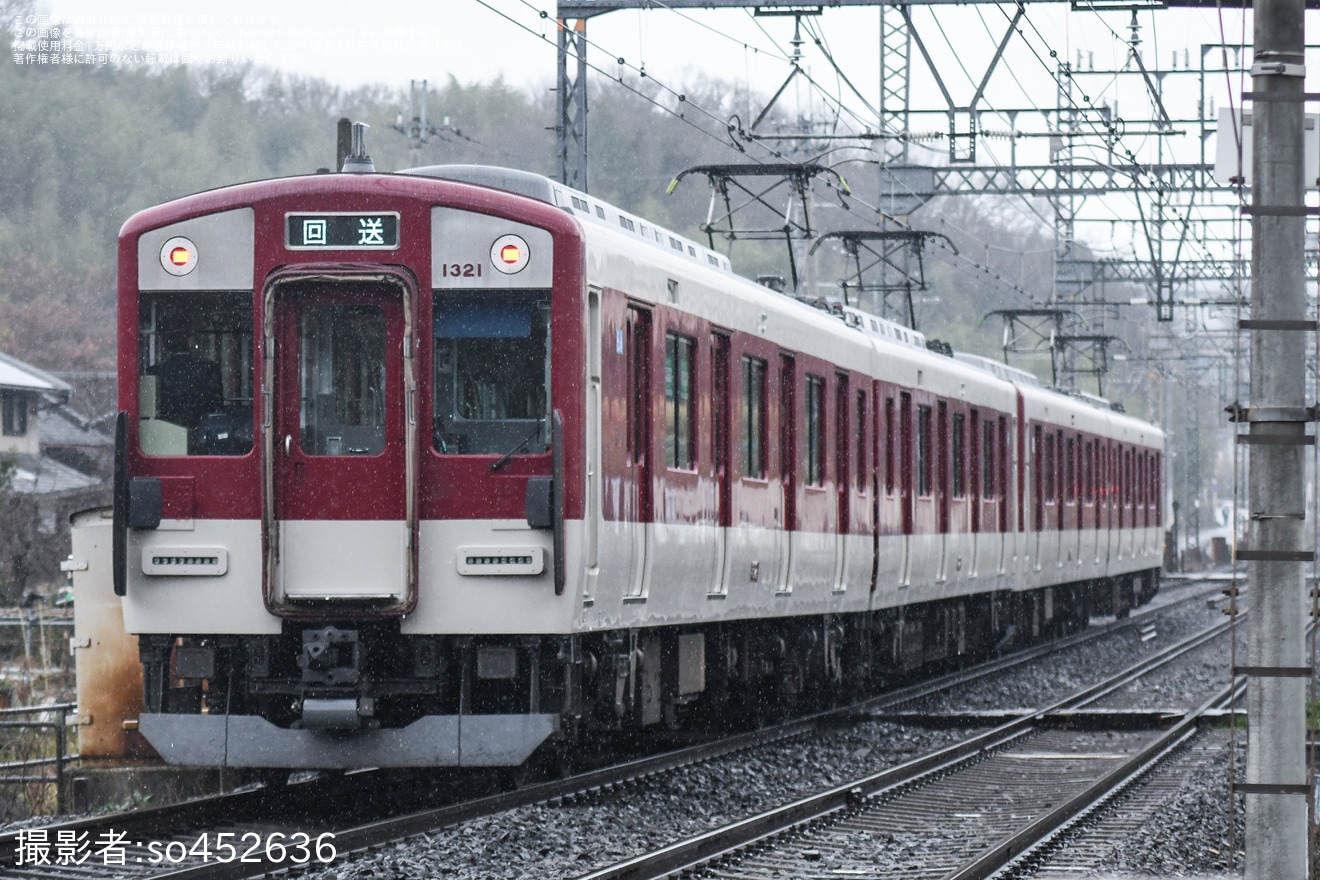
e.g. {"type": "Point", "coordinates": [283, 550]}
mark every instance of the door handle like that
{"type": "Point", "coordinates": [288, 445]}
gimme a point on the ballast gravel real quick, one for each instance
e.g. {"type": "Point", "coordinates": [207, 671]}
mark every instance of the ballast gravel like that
{"type": "Point", "coordinates": [585, 834]}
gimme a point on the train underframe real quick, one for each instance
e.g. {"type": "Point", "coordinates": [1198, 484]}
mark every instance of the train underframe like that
{"type": "Point", "coordinates": [311, 696]}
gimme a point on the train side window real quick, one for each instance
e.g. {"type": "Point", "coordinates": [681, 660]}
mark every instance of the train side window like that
{"type": "Point", "coordinates": [1140, 480]}
{"type": "Point", "coordinates": [843, 450]}
{"type": "Point", "coordinates": [959, 449]}
{"type": "Point", "coordinates": [1051, 485]}
{"type": "Point", "coordinates": [753, 418]}
{"type": "Point", "coordinates": [1070, 471]}
{"type": "Point", "coordinates": [1127, 478]}
{"type": "Point", "coordinates": [987, 459]}
{"type": "Point", "coordinates": [1088, 471]}
{"type": "Point", "coordinates": [491, 373]}
{"type": "Point", "coordinates": [890, 439]}
{"type": "Point", "coordinates": [680, 402]}
{"type": "Point", "coordinates": [859, 467]}
{"type": "Point", "coordinates": [975, 461]}
{"type": "Point", "coordinates": [195, 362]}
{"type": "Point", "coordinates": [1038, 471]}
{"type": "Point", "coordinates": [1157, 481]}
{"type": "Point", "coordinates": [925, 483]}
{"type": "Point", "coordinates": [815, 431]}
{"type": "Point", "coordinates": [1003, 481]}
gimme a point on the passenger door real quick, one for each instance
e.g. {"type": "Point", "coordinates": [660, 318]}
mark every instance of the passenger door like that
{"type": "Point", "coordinates": [639, 450]}
{"type": "Point", "coordinates": [340, 439]}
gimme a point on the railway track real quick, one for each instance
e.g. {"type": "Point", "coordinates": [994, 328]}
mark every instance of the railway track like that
{"type": "Point", "coordinates": [264, 825]}
{"type": "Point", "coordinates": [963, 812]}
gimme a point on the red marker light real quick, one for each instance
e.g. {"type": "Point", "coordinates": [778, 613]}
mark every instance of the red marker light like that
{"type": "Point", "coordinates": [178, 256]}
{"type": "Point", "coordinates": [509, 254]}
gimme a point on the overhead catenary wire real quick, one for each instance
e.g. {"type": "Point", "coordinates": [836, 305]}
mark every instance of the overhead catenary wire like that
{"type": "Point", "coordinates": [680, 110]}
{"type": "Point", "coordinates": [776, 154]}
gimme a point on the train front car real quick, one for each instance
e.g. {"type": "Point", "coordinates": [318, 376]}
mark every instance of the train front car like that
{"type": "Point", "coordinates": [341, 500]}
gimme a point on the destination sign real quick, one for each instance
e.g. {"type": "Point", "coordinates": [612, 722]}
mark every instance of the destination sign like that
{"type": "Point", "coordinates": [341, 232]}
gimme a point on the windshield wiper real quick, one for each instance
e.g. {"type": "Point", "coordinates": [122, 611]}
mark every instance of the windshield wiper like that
{"type": "Point", "coordinates": [504, 459]}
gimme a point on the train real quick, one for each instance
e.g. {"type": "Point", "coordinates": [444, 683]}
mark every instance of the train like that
{"type": "Point", "coordinates": [460, 467]}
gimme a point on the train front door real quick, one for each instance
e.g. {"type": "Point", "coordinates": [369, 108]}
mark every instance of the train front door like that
{"type": "Point", "coordinates": [340, 441]}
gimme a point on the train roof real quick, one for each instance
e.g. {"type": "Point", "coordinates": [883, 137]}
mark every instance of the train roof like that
{"type": "Point", "coordinates": [605, 215]}
{"type": "Point", "coordinates": [600, 214]}
{"type": "Point", "coordinates": [1003, 371]}
{"type": "Point", "coordinates": [582, 206]}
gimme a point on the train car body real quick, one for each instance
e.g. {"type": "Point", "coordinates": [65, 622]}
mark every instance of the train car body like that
{"type": "Point", "coordinates": [443, 467]}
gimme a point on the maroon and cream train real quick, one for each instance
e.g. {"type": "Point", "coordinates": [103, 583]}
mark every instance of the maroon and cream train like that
{"type": "Point", "coordinates": [493, 466]}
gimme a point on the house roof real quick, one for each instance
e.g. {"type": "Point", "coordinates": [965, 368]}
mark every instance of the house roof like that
{"type": "Point", "coordinates": [42, 475]}
{"type": "Point", "coordinates": [16, 374]}
{"type": "Point", "coordinates": [61, 427]}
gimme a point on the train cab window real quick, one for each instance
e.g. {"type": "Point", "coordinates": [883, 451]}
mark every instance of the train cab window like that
{"type": "Point", "coordinates": [753, 418]}
{"type": "Point", "coordinates": [195, 357]}
{"type": "Point", "coordinates": [680, 402]}
{"type": "Point", "coordinates": [491, 373]}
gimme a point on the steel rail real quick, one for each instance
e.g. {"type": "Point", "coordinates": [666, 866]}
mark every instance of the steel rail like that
{"type": "Point", "coordinates": [689, 854]}
{"type": "Point", "coordinates": [1100, 791]}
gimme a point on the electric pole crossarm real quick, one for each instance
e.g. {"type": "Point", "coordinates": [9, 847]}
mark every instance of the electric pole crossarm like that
{"type": "Point", "coordinates": [797, 177]}
{"type": "Point", "coordinates": [863, 235]}
{"type": "Point", "coordinates": [891, 243]}
{"type": "Point", "coordinates": [1082, 180]}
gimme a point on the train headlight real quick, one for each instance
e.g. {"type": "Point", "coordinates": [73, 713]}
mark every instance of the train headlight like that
{"type": "Point", "coordinates": [178, 256]}
{"type": "Point", "coordinates": [509, 254]}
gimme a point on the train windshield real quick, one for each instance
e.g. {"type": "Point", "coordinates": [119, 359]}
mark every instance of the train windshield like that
{"type": "Point", "coordinates": [195, 373]}
{"type": "Point", "coordinates": [492, 373]}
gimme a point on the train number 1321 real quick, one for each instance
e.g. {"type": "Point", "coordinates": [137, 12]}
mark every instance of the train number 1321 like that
{"type": "Point", "coordinates": [460, 270]}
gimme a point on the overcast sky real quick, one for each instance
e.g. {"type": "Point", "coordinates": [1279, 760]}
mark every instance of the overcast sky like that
{"type": "Point", "coordinates": [352, 43]}
{"type": "Point", "coordinates": [394, 41]}
{"type": "Point", "coordinates": [390, 42]}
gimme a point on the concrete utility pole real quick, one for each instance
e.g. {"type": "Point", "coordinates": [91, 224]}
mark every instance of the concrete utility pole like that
{"type": "Point", "coordinates": [1276, 790]}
